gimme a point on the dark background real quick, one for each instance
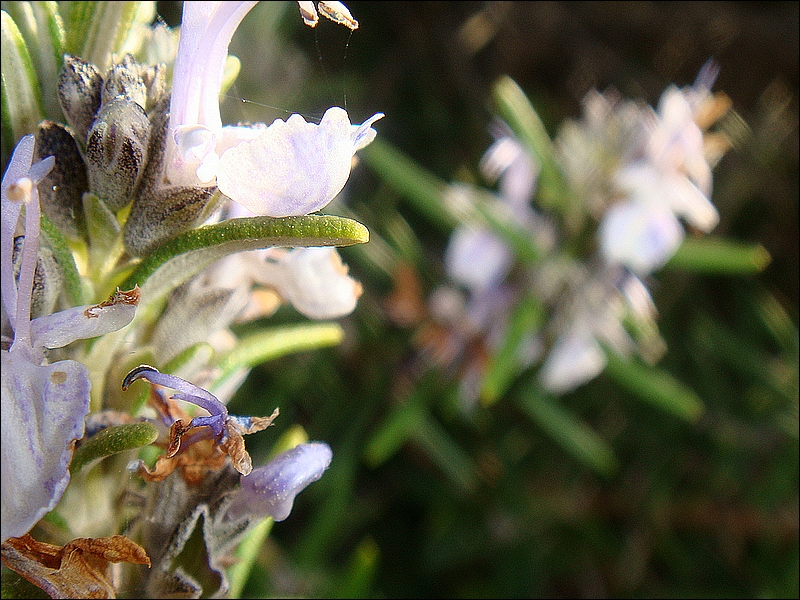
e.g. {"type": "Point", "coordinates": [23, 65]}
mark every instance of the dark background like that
{"type": "Point", "coordinates": [706, 509]}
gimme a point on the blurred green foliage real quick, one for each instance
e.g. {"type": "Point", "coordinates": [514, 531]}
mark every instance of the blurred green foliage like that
{"type": "Point", "coordinates": [596, 493]}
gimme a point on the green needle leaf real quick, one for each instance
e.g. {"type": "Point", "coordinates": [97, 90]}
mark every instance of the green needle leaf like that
{"type": "Point", "coordinates": [41, 27]}
{"type": "Point", "coordinates": [97, 30]}
{"type": "Point", "coordinates": [573, 435]}
{"type": "Point", "coordinates": [246, 554]}
{"type": "Point", "coordinates": [21, 95]}
{"type": "Point", "coordinates": [655, 386]}
{"type": "Point", "coordinates": [112, 441]}
{"type": "Point", "coordinates": [520, 115]}
{"type": "Point", "coordinates": [719, 256]}
{"type": "Point", "coordinates": [426, 193]}
{"type": "Point", "coordinates": [66, 260]}
{"type": "Point", "coordinates": [267, 345]}
{"type": "Point", "coordinates": [409, 179]}
{"type": "Point", "coordinates": [504, 366]}
{"type": "Point", "coordinates": [189, 253]}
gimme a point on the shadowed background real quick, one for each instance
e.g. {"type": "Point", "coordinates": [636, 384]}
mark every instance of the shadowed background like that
{"type": "Point", "coordinates": [694, 509]}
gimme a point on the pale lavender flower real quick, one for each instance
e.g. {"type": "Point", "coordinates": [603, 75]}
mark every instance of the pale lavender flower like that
{"type": "Point", "coordinates": [313, 280]}
{"type": "Point", "coordinates": [294, 167]}
{"type": "Point", "coordinates": [289, 168]}
{"type": "Point", "coordinates": [271, 490]}
{"type": "Point", "coordinates": [507, 160]}
{"type": "Point", "coordinates": [574, 359]}
{"type": "Point", "coordinates": [43, 405]}
{"type": "Point", "coordinates": [671, 181]}
{"type": "Point", "coordinates": [592, 319]}
{"type": "Point", "coordinates": [640, 236]}
{"type": "Point", "coordinates": [195, 122]}
{"type": "Point", "coordinates": [476, 258]}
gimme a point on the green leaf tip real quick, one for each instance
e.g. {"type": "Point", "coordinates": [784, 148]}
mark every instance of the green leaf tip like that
{"type": "Point", "coordinates": [113, 440]}
{"type": "Point", "coordinates": [192, 251]}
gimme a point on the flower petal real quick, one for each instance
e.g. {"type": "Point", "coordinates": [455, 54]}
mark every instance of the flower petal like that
{"type": "Point", "coordinates": [187, 392]}
{"type": "Point", "coordinates": [575, 359]}
{"type": "Point", "coordinates": [476, 258]}
{"type": "Point", "coordinates": [271, 489]}
{"type": "Point", "coordinates": [206, 32]}
{"type": "Point", "coordinates": [639, 236]}
{"type": "Point", "coordinates": [292, 168]}
{"type": "Point", "coordinates": [43, 413]}
{"type": "Point", "coordinates": [62, 328]}
{"type": "Point", "coordinates": [314, 281]}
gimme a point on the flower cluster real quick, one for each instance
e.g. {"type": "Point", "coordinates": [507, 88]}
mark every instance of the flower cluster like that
{"type": "Point", "coordinates": [196, 226]}
{"type": "Point", "coordinates": [630, 174]}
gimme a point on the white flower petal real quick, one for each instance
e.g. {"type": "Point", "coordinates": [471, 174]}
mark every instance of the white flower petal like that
{"type": "Point", "coordinates": [43, 412]}
{"type": "Point", "coordinates": [688, 201]}
{"type": "Point", "coordinates": [639, 236]}
{"type": "Point", "coordinates": [575, 359]}
{"type": "Point", "coordinates": [315, 282]}
{"type": "Point", "coordinates": [293, 167]}
{"type": "Point", "coordinates": [62, 328]}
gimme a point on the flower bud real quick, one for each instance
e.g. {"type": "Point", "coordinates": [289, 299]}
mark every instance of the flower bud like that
{"type": "Point", "coordinates": [116, 151]}
{"type": "Point", "coordinates": [123, 80]}
{"type": "Point", "coordinates": [79, 92]}
{"type": "Point", "coordinates": [270, 490]}
{"type": "Point", "coordinates": [61, 191]}
{"type": "Point", "coordinates": [156, 218]}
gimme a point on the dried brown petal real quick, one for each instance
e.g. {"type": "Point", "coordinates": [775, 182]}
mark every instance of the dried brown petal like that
{"type": "Point", "coordinates": [234, 447]}
{"type": "Point", "coordinates": [78, 570]}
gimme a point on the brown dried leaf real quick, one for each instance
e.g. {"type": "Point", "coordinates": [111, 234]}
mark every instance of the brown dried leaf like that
{"type": "Point", "coordinates": [78, 570]}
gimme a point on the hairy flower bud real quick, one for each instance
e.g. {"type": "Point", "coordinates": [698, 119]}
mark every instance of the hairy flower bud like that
{"type": "Point", "coordinates": [158, 217]}
{"type": "Point", "coordinates": [124, 80]}
{"type": "Point", "coordinates": [61, 191]}
{"type": "Point", "coordinates": [116, 151]}
{"type": "Point", "coordinates": [79, 92]}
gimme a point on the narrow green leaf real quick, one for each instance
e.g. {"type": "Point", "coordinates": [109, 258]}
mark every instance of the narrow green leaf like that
{"type": "Point", "coordinates": [574, 436]}
{"type": "Point", "coordinates": [719, 257]}
{"type": "Point", "coordinates": [98, 30]}
{"type": "Point", "coordinates": [517, 111]}
{"type": "Point", "coordinates": [427, 194]}
{"type": "Point", "coordinates": [247, 552]}
{"type": "Point", "coordinates": [105, 236]}
{"type": "Point", "coordinates": [112, 441]}
{"type": "Point", "coordinates": [395, 431]}
{"type": "Point", "coordinates": [21, 95]}
{"type": "Point", "coordinates": [409, 179]}
{"type": "Point", "coordinates": [66, 260]}
{"type": "Point", "coordinates": [655, 386]}
{"type": "Point", "coordinates": [443, 451]}
{"type": "Point", "coordinates": [189, 253]}
{"type": "Point", "coordinates": [504, 366]}
{"type": "Point", "coordinates": [41, 26]}
{"type": "Point", "coordinates": [744, 357]}
{"type": "Point", "coordinates": [359, 574]}
{"type": "Point", "coordinates": [77, 18]}
{"type": "Point", "coordinates": [262, 346]}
